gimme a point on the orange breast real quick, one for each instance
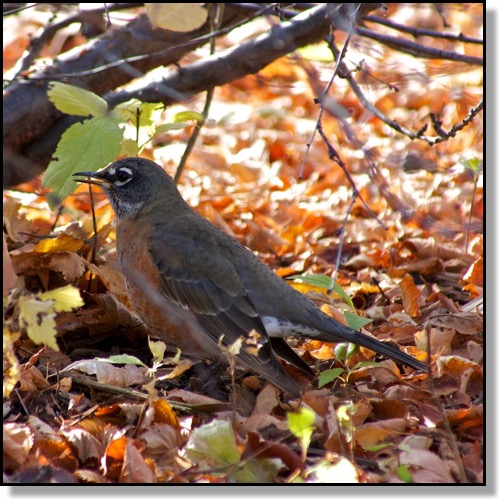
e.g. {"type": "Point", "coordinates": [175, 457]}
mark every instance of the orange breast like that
{"type": "Point", "coordinates": [162, 317]}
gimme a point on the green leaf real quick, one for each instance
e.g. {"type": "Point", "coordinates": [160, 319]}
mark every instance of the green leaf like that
{"type": "Point", "coordinates": [330, 375]}
{"type": "Point", "coordinates": [323, 281]}
{"type": "Point", "coordinates": [366, 363]}
{"type": "Point", "coordinates": [341, 292]}
{"type": "Point", "coordinates": [157, 349]}
{"type": "Point", "coordinates": [123, 359]}
{"type": "Point", "coordinates": [85, 146]}
{"type": "Point", "coordinates": [148, 113]}
{"type": "Point", "coordinates": [345, 351]}
{"type": "Point", "coordinates": [183, 116]}
{"type": "Point", "coordinates": [167, 127]}
{"type": "Point", "coordinates": [257, 470]}
{"type": "Point", "coordinates": [473, 164]}
{"type": "Point", "coordinates": [301, 425]}
{"type": "Point", "coordinates": [74, 100]}
{"type": "Point", "coordinates": [129, 148]}
{"type": "Point", "coordinates": [213, 445]}
{"type": "Point", "coordinates": [356, 321]}
{"type": "Point", "coordinates": [319, 280]}
{"type": "Point", "coordinates": [377, 447]}
{"type": "Point", "coordinates": [404, 473]}
{"type": "Point", "coordinates": [344, 414]}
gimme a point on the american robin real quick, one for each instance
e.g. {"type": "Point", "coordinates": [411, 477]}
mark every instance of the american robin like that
{"type": "Point", "coordinates": [172, 255]}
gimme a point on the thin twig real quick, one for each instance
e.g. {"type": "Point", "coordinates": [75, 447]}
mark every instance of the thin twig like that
{"type": "Point", "coordinates": [94, 239]}
{"type": "Point", "coordinates": [322, 98]}
{"type": "Point", "coordinates": [440, 9]}
{"type": "Point", "coordinates": [129, 393]}
{"type": "Point", "coordinates": [334, 156]}
{"type": "Point", "coordinates": [340, 242]}
{"type": "Point", "coordinates": [215, 21]}
{"type": "Point", "coordinates": [21, 401]}
{"type": "Point", "coordinates": [381, 292]}
{"type": "Point", "coordinates": [416, 49]}
{"type": "Point", "coordinates": [332, 153]}
{"type": "Point", "coordinates": [471, 211]}
{"type": "Point", "coordinates": [443, 135]}
{"type": "Point", "coordinates": [37, 43]}
{"type": "Point", "coordinates": [392, 123]}
{"type": "Point", "coordinates": [445, 419]}
{"type": "Point", "coordinates": [127, 60]}
{"type": "Point", "coordinates": [416, 32]}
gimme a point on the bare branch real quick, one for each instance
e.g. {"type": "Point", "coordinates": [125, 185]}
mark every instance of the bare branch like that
{"type": "Point", "coordinates": [416, 49]}
{"type": "Point", "coordinates": [437, 124]}
{"type": "Point", "coordinates": [248, 58]}
{"type": "Point", "coordinates": [417, 32]}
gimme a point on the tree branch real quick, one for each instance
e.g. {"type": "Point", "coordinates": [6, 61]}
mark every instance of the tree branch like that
{"type": "Point", "coordinates": [248, 58]}
{"type": "Point", "coordinates": [416, 49]}
{"type": "Point", "coordinates": [28, 114]}
{"type": "Point", "coordinates": [417, 32]}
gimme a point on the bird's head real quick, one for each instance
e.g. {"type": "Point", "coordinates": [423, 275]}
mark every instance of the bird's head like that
{"type": "Point", "coordinates": [132, 183]}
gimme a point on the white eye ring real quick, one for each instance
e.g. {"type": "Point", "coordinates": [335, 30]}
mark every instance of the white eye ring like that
{"type": "Point", "coordinates": [119, 183]}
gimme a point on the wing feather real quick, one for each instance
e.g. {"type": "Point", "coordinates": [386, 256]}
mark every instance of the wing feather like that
{"type": "Point", "coordinates": [222, 306]}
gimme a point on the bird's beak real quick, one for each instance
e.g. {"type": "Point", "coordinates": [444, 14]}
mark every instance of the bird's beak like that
{"type": "Point", "coordinates": [94, 178]}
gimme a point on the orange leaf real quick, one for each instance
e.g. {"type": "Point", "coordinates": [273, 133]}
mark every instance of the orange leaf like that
{"type": "Point", "coordinates": [474, 275]}
{"type": "Point", "coordinates": [163, 413]}
{"type": "Point", "coordinates": [410, 296]}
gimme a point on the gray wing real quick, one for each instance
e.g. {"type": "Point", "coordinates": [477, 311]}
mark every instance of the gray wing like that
{"type": "Point", "coordinates": [195, 275]}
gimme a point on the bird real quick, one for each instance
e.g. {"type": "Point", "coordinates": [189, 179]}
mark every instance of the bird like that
{"type": "Point", "coordinates": [171, 256]}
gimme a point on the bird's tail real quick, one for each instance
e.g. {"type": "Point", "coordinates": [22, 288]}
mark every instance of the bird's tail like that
{"type": "Point", "coordinates": [345, 333]}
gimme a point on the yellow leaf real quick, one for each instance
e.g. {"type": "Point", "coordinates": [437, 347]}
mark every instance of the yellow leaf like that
{"type": "Point", "coordinates": [305, 288]}
{"type": "Point", "coordinates": [61, 243]}
{"type": "Point", "coordinates": [11, 368]}
{"type": "Point", "coordinates": [37, 317]}
{"type": "Point", "coordinates": [181, 17]}
{"type": "Point", "coordinates": [65, 299]}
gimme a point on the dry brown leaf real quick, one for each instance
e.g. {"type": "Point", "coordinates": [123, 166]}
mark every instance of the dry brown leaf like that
{"type": "Point", "coordinates": [88, 447]}
{"type": "Point", "coordinates": [162, 443]}
{"type": "Point", "coordinates": [198, 401]}
{"type": "Point", "coordinates": [135, 468]}
{"type": "Point", "coordinates": [462, 322]}
{"type": "Point", "coordinates": [410, 296]}
{"type": "Point", "coordinates": [56, 452]}
{"type": "Point", "coordinates": [371, 434]}
{"type": "Point", "coordinates": [389, 409]}
{"type": "Point", "coordinates": [256, 446]}
{"type": "Point", "coordinates": [116, 310]}
{"type": "Point", "coordinates": [17, 443]}
{"type": "Point", "coordinates": [89, 476]}
{"type": "Point", "coordinates": [426, 467]}
{"type": "Point", "coordinates": [70, 265]}
{"type": "Point", "coordinates": [32, 379]}
{"type": "Point", "coordinates": [266, 400]}
{"type": "Point", "coordinates": [112, 278]}
{"type": "Point", "coordinates": [106, 373]}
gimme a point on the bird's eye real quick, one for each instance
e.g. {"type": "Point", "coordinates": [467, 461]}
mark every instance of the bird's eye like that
{"type": "Point", "coordinates": [123, 176]}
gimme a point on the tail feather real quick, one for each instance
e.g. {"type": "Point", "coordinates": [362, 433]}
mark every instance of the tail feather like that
{"type": "Point", "coordinates": [338, 332]}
